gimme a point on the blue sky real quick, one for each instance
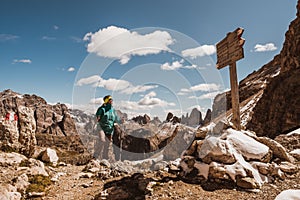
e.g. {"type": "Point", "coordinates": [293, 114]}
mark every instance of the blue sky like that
{"type": "Point", "coordinates": [160, 59]}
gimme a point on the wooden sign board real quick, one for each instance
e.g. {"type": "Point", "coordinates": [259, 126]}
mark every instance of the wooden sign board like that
{"type": "Point", "coordinates": [230, 49]}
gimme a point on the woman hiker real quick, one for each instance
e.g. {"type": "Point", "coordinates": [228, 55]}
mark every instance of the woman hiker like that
{"type": "Point", "coordinates": [106, 117]}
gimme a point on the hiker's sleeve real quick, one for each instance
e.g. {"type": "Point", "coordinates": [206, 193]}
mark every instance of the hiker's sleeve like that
{"type": "Point", "coordinates": [117, 118]}
{"type": "Point", "coordinates": [99, 114]}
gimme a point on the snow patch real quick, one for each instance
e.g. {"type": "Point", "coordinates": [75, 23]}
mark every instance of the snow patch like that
{"type": "Point", "coordinates": [247, 146]}
{"type": "Point", "coordinates": [297, 131]}
{"type": "Point", "coordinates": [246, 111]}
{"type": "Point", "coordinates": [289, 195]}
{"type": "Point", "coordinates": [277, 72]}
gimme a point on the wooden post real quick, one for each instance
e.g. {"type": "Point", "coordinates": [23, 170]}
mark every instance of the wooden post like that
{"type": "Point", "coordinates": [229, 50]}
{"type": "Point", "coordinates": [235, 96]}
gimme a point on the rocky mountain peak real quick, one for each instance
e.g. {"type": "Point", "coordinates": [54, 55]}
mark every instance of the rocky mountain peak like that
{"type": "Point", "coordinates": [269, 97]}
{"type": "Point", "coordinates": [278, 110]}
{"type": "Point", "coordinates": [289, 55]}
{"type": "Point", "coordinates": [27, 121]}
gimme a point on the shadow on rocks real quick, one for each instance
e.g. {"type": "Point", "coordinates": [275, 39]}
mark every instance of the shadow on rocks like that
{"type": "Point", "coordinates": [136, 187]}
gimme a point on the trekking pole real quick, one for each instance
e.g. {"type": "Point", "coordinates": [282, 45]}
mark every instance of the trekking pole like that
{"type": "Point", "coordinates": [121, 141]}
{"type": "Point", "coordinates": [121, 144]}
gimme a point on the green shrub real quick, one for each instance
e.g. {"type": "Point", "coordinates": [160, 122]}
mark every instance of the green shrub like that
{"type": "Point", "coordinates": [24, 163]}
{"type": "Point", "coordinates": [38, 183]}
{"type": "Point", "coordinates": [8, 149]}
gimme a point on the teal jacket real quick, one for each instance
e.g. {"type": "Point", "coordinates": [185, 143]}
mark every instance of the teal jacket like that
{"type": "Point", "coordinates": [108, 117]}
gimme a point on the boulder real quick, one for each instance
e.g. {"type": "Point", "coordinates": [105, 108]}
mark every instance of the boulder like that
{"type": "Point", "coordinates": [215, 149]}
{"type": "Point", "coordinates": [27, 126]}
{"type": "Point", "coordinates": [278, 150]}
{"type": "Point", "coordinates": [49, 156]}
{"type": "Point", "coordinates": [8, 191]}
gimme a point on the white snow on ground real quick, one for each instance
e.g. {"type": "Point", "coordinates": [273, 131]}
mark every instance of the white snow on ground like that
{"type": "Point", "coordinates": [277, 72]}
{"type": "Point", "coordinates": [296, 151]}
{"type": "Point", "coordinates": [247, 146]}
{"type": "Point", "coordinates": [235, 143]}
{"type": "Point", "coordinates": [235, 169]}
{"type": "Point", "coordinates": [246, 111]}
{"type": "Point", "coordinates": [289, 195]}
{"type": "Point", "coordinates": [297, 131]}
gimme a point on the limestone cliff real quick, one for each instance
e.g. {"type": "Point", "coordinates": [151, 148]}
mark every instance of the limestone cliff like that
{"type": "Point", "coordinates": [37, 124]}
{"type": "Point", "coordinates": [277, 87]}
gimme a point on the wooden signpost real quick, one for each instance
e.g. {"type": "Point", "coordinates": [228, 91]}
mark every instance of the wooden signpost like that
{"type": "Point", "coordinates": [230, 50]}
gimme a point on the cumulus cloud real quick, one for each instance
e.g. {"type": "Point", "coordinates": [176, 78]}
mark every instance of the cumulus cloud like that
{"type": "Point", "coordinates": [26, 61]}
{"type": "Point", "coordinates": [137, 89]}
{"type": "Point", "coordinates": [210, 95]}
{"type": "Point", "coordinates": [88, 80]}
{"type": "Point", "coordinates": [96, 101]}
{"type": "Point", "coordinates": [112, 84]}
{"type": "Point", "coordinates": [265, 47]}
{"type": "Point", "coordinates": [120, 43]}
{"type": "Point", "coordinates": [7, 37]}
{"type": "Point", "coordinates": [149, 101]}
{"type": "Point", "coordinates": [55, 27]}
{"type": "Point", "coordinates": [204, 87]}
{"type": "Point", "coordinates": [205, 50]}
{"type": "Point", "coordinates": [71, 69]}
{"type": "Point", "coordinates": [176, 65]}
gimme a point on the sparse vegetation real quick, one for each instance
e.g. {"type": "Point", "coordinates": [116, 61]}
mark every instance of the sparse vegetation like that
{"type": "Point", "coordinates": [24, 163]}
{"type": "Point", "coordinates": [8, 149]}
{"type": "Point", "coordinates": [38, 183]}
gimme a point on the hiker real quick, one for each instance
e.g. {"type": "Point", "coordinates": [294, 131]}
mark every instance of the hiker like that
{"type": "Point", "coordinates": [106, 117]}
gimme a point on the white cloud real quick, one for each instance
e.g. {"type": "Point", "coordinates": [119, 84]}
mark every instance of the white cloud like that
{"type": "Point", "coordinates": [71, 69]}
{"type": "Point", "coordinates": [265, 47]}
{"type": "Point", "coordinates": [96, 101]}
{"type": "Point", "coordinates": [112, 84]}
{"type": "Point", "coordinates": [120, 43]}
{"type": "Point", "coordinates": [205, 50]}
{"type": "Point", "coordinates": [26, 61]}
{"type": "Point", "coordinates": [176, 65]}
{"type": "Point", "coordinates": [210, 95]}
{"type": "Point", "coordinates": [204, 87]}
{"type": "Point", "coordinates": [89, 80]}
{"type": "Point", "coordinates": [148, 102]}
{"type": "Point", "coordinates": [48, 38]}
{"type": "Point", "coordinates": [151, 100]}
{"type": "Point", "coordinates": [7, 37]}
{"type": "Point", "coordinates": [55, 27]}
{"type": "Point", "coordinates": [76, 39]}
{"type": "Point", "coordinates": [181, 93]}
{"type": "Point", "coordinates": [138, 89]}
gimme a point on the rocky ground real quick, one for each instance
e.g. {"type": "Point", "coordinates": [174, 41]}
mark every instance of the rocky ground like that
{"type": "Point", "coordinates": [156, 185]}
